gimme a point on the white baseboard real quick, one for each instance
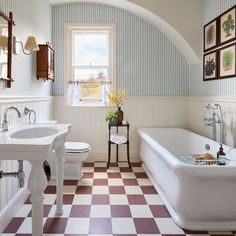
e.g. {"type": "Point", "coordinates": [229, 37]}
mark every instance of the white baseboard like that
{"type": "Point", "coordinates": [9, 212]}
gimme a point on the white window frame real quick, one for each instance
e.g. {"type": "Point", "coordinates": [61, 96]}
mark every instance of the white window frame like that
{"type": "Point", "coordinates": [68, 47]}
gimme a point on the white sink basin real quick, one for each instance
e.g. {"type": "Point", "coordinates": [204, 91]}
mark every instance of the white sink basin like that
{"type": "Point", "coordinates": [37, 132]}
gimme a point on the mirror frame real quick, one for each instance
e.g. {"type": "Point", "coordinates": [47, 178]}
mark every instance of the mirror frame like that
{"type": "Point", "coordinates": [10, 22]}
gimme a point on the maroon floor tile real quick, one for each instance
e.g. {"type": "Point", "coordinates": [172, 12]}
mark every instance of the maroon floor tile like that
{"type": "Point", "coordinates": [84, 190]}
{"type": "Point", "coordinates": [68, 199]}
{"type": "Point", "coordinates": [51, 189]}
{"type": "Point", "coordinates": [175, 235]}
{"type": "Point", "coordinates": [130, 182]}
{"type": "Point", "coordinates": [148, 190]}
{"type": "Point", "coordinates": [88, 164]}
{"type": "Point", "coordinates": [100, 182]}
{"type": "Point", "coordinates": [114, 164]}
{"type": "Point", "coordinates": [125, 169]}
{"type": "Point", "coordinates": [71, 182]}
{"type": "Point", "coordinates": [75, 234]}
{"type": "Point", "coordinates": [116, 190]}
{"type": "Point", "coordinates": [100, 226]}
{"type": "Point", "coordinates": [55, 225]}
{"type": "Point", "coordinates": [141, 175]}
{"type": "Point", "coordinates": [159, 211]}
{"type": "Point", "coordinates": [120, 211]}
{"type": "Point", "coordinates": [136, 164]}
{"type": "Point", "coordinates": [124, 234]}
{"type": "Point", "coordinates": [80, 211]}
{"type": "Point", "coordinates": [114, 175]}
{"type": "Point", "coordinates": [14, 225]}
{"type": "Point", "coordinates": [100, 199]}
{"type": "Point", "coordinates": [136, 199]}
{"type": "Point", "coordinates": [46, 210]}
{"type": "Point", "coordinates": [146, 226]}
{"type": "Point", "coordinates": [23, 234]}
{"type": "Point", "coordinates": [87, 175]}
{"type": "Point", "coordinates": [194, 232]}
{"type": "Point", "coordinates": [100, 169]}
{"type": "Point", "coordinates": [28, 201]}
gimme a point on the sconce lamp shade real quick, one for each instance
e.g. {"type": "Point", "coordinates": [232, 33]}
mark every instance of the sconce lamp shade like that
{"type": "Point", "coordinates": [3, 42]}
{"type": "Point", "coordinates": [31, 44]}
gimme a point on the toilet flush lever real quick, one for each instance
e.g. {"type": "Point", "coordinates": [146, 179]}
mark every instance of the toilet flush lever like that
{"type": "Point", "coordinates": [207, 147]}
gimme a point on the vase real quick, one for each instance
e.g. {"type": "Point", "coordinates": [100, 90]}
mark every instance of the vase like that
{"type": "Point", "coordinates": [119, 118]}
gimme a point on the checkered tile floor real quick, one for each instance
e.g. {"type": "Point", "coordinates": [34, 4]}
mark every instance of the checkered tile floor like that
{"type": "Point", "coordinates": [117, 201]}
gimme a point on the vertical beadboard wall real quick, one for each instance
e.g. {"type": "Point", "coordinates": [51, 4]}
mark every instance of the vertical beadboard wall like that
{"type": "Point", "coordinates": [223, 87]}
{"type": "Point", "coordinates": [147, 62]}
{"type": "Point", "coordinates": [44, 110]}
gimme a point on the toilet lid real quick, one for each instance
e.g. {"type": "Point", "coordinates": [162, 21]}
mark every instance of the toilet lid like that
{"type": "Point", "coordinates": [76, 147]}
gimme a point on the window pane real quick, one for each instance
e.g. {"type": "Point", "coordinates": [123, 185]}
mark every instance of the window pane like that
{"type": "Point", "coordinates": [90, 49]}
{"type": "Point", "coordinates": [95, 75]}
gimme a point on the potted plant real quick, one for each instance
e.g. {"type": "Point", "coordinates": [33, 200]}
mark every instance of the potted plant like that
{"type": "Point", "coordinates": [111, 117]}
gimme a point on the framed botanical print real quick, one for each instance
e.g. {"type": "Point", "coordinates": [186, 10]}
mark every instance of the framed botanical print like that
{"type": "Point", "coordinates": [227, 65]}
{"type": "Point", "coordinates": [210, 35]}
{"type": "Point", "coordinates": [210, 66]}
{"type": "Point", "coordinates": [227, 26]}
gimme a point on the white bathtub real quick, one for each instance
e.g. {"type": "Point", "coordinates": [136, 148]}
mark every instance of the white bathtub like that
{"type": "Point", "coordinates": [197, 197]}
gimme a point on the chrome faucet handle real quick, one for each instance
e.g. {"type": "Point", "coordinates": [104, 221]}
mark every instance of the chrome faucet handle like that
{"type": "Point", "coordinates": [4, 126]}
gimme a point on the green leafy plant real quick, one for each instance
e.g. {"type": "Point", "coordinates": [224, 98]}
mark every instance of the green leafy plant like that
{"type": "Point", "coordinates": [228, 60]}
{"type": "Point", "coordinates": [111, 116]}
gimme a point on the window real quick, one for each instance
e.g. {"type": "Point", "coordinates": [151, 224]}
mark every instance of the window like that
{"type": "Point", "coordinates": [89, 63]}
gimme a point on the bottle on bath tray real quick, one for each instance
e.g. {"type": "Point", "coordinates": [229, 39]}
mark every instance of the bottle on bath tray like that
{"type": "Point", "coordinates": [221, 156]}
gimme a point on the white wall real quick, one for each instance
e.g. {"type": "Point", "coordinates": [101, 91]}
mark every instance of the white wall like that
{"type": "Point", "coordinates": [183, 15]}
{"type": "Point", "coordinates": [89, 125]}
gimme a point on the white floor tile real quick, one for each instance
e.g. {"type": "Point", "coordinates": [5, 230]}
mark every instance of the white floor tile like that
{"type": "Point", "coordinates": [66, 211]}
{"type": "Point", "coordinates": [87, 169]}
{"type": "Point", "coordinates": [100, 164]}
{"type": "Point", "coordinates": [137, 169]}
{"type": "Point", "coordinates": [144, 182]}
{"type": "Point", "coordinates": [118, 199]}
{"type": "Point", "coordinates": [123, 164]}
{"type": "Point", "coordinates": [49, 199]}
{"type": "Point", "coordinates": [85, 182]}
{"type": "Point", "coordinates": [100, 211]}
{"type": "Point", "coordinates": [128, 175]}
{"type": "Point", "coordinates": [24, 211]}
{"type": "Point", "coordinates": [26, 227]}
{"type": "Point", "coordinates": [140, 211]}
{"type": "Point", "coordinates": [123, 226]}
{"type": "Point", "coordinates": [100, 175]}
{"type": "Point", "coordinates": [167, 226]}
{"type": "Point", "coordinates": [113, 170]}
{"type": "Point", "coordinates": [69, 189]}
{"type": "Point", "coordinates": [82, 199]}
{"type": "Point", "coordinates": [133, 190]}
{"type": "Point", "coordinates": [100, 190]}
{"type": "Point", "coordinates": [77, 226]}
{"type": "Point", "coordinates": [115, 182]}
{"type": "Point", "coordinates": [153, 199]}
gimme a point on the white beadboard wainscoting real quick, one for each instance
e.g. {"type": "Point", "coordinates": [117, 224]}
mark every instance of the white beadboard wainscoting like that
{"type": "Point", "coordinates": [196, 113]}
{"type": "Point", "coordinates": [11, 196]}
{"type": "Point", "coordinates": [89, 125]}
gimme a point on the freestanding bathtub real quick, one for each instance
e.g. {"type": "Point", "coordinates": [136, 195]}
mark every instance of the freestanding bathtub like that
{"type": "Point", "coordinates": [198, 197]}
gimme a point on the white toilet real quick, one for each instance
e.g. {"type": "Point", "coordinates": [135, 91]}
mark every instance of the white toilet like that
{"type": "Point", "coordinates": [76, 153]}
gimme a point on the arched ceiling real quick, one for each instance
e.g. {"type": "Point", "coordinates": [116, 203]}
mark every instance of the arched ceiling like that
{"type": "Point", "coordinates": [162, 25]}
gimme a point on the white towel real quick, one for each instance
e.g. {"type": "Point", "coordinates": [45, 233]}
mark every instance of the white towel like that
{"type": "Point", "coordinates": [118, 139]}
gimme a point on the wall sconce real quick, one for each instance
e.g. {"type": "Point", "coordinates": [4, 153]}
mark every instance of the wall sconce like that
{"type": "Point", "coordinates": [30, 45]}
{"type": "Point", "coordinates": [3, 42]}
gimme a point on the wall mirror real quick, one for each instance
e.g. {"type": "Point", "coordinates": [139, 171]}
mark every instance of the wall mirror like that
{"type": "Point", "coordinates": [6, 24]}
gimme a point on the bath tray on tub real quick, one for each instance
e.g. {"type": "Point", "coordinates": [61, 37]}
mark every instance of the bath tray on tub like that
{"type": "Point", "coordinates": [191, 159]}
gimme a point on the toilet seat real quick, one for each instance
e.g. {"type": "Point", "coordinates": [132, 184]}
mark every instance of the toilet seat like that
{"type": "Point", "coordinates": [76, 147]}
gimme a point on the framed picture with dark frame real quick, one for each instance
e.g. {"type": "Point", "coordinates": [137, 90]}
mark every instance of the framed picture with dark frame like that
{"type": "Point", "coordinates": [227, 31]}
{"type": "Point", "coordinates": [210, 66]}
{"type": "Point", "coordinates": [226, 61]}
{"type": "Point", "coordinates": [210, 35]}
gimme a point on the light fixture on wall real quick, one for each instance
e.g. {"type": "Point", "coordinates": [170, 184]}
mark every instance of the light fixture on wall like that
{"type": "Point", "coordinates": [30, 45]}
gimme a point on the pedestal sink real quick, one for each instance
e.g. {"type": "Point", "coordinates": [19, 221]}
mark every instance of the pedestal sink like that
{"type": "Point", "coordinates": [37, 143]}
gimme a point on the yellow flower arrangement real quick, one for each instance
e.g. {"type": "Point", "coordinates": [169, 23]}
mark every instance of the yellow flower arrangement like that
{"type": "Point", "coordinates": [117, 98]}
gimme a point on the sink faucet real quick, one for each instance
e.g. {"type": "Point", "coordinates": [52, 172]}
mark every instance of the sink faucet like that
{"type": "Point", "coordinates": [5, 122]}
{"type": "Point", "coordinates": [214, 120]}
{"type": "Point", "coordinates": [28, 111]}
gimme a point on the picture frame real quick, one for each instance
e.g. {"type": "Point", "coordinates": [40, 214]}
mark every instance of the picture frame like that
{"type": "Point", "coordinates": [227, 26]}
{"type": "Point", "coordinates": [210, 66]}
{"type": "Point", "coordinates": [210, 33]}
{"type": "Point", "coordinates": [226, 61]}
